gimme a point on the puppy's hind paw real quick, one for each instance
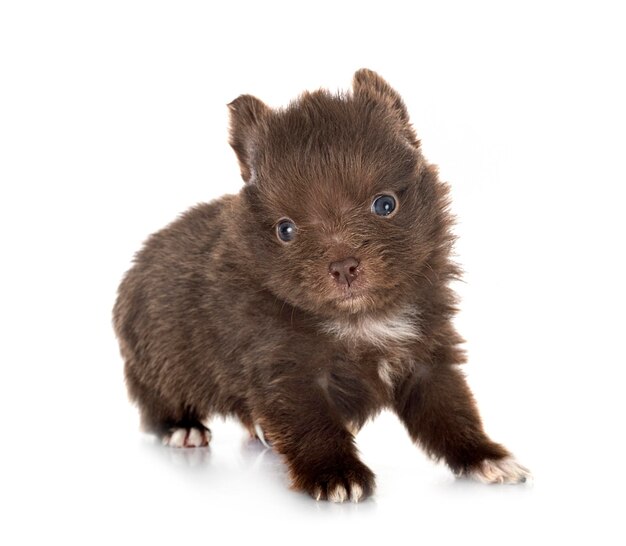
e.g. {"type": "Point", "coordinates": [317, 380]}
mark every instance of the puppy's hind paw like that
{"type": "Point", "coordinates": [187, 437]}
{"type": "Point", "coordinates": [506, 470]}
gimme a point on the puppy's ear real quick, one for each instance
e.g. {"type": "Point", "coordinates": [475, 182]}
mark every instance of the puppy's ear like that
{"type": "Point", "coordinates": [369, 85]}
{"type": "Point", "coordinates": [247, 116]}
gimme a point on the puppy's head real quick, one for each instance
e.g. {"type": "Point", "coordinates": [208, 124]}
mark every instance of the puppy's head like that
{"type": "Point", "coordinates": [342, 212]}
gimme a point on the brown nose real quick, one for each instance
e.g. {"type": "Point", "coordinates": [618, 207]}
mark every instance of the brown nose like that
{"type": "Point", "coordinates": [344, 271]}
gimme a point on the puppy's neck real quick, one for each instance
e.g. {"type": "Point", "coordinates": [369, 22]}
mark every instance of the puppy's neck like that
{"type": "Point", "coordinates": [401, 326]}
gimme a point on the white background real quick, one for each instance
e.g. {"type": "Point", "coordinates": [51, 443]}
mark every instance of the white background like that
{"type": "Point", "coordinates": [113, 121]}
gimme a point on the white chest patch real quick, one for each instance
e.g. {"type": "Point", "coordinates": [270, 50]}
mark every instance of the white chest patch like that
{"type": "Point", "coordinates": [401, 327]}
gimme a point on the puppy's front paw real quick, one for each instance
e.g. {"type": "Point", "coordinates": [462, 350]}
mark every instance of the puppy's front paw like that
{"type": "Point", "coordinates": [187, 437]}
{"type": "Point", "coordinates": [506, 470]}
{"type": "Point", "coordinates": [338, 483]}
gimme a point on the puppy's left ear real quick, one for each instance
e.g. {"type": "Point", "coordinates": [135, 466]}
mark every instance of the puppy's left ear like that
{"type": "Point", "coordinates": [247, 117]}
{"type": "Point", "coordinates": [368, 84]}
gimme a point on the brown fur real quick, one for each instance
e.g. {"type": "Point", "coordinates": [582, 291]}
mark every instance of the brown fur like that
{"type": "Point", "coordinates": [218, 316]}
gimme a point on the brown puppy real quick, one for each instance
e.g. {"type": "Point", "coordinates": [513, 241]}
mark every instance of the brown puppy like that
{"type": "Point", "coordinates": [312, 299]}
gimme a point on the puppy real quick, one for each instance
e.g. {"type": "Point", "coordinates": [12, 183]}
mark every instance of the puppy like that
{"type": "Point", "coordinates": [311, 300]}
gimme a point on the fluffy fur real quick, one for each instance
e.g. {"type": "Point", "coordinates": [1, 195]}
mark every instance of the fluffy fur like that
{"type": "Point", "coordinates": [219, 316]}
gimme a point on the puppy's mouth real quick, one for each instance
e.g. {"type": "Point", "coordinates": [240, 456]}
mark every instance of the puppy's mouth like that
{"type": "Point", "coordinates": [350, 294]}
{"type": "Point", "coordinates": [351, 299]}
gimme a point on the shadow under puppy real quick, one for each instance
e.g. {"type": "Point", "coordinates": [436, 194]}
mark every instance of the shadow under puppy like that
{"type": "Point", "coordinates": [312, 299]}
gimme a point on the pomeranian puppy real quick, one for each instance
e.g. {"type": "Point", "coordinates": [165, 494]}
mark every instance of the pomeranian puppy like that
{"type": "Point", "coordinates": [311, 300]}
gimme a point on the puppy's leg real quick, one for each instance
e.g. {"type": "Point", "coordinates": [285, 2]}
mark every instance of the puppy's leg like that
{"type": "Point", "coordinates": [440, 414]}
{"type": "Point", "coordinates": [175, 427]}
{"type": "Point", "coordinates": [300, 424]}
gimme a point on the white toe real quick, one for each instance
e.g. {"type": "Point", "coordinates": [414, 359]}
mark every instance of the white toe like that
{"type": "Point", "coordinates": [338, 494]}
{"type": "Point", "coordinates": [356, 492]}
{"type": "Point", "coordinates": [195, 438]}
{"type": "Point", "coordinates": [260, 435]}
{"type": "Point", "coordinates": [176, 438]}
{"type": "Point", "coordinates": [506, 470]}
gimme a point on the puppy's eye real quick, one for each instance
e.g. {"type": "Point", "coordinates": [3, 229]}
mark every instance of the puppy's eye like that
{"type": "Point", "coordinates": [384, 205]}
{"type": "Point", "coordinates": [286, 230]}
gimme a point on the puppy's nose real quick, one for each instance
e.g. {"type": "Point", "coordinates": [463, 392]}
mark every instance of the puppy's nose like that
{"type": "Point", "coordinates": [344, 271]}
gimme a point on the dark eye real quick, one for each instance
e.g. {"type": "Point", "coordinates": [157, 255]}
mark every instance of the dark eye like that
{"type": "Point", "coordinates": [384, 205]}
{"type": "Point", "coordinates": [286, 230]}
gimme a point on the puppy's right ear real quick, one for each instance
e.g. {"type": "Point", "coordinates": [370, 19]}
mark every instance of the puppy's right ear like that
{"type": "Point", "coordinates": [247, 116]}
{"type": "Point", "coordinates": [367, 83]}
